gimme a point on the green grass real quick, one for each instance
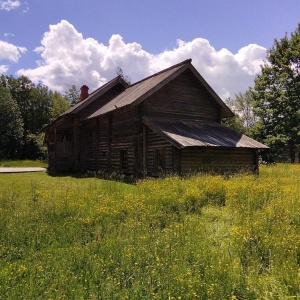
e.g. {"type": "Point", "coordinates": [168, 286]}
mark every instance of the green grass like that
{"type": "Point", "coordinates": [199, 238]}
{"type": "Point", "coordinates": [23, 163]}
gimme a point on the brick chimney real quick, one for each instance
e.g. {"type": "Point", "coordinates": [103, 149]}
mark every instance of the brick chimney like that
{"type": "Point", "coordinates": [84, 92]}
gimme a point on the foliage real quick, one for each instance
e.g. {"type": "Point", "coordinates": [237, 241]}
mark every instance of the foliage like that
{"type": "Point", "coordinates": [242, 105]}
{"type": "Point", "coordinates": [235, 123]}
{"type": "Point", "coordinates": [277, 94]}
{"type": "Point", "coordinates": [59, 105]}
{"type": "Point", "coordinates": [11, 125]}
{"type": "Point", "coordinates": [203, 237]}
{"type": "Point", "coordinates": [34, 106]}
{"type": "Point", "coordinates": [73, 95]}
{"type": "Point", "coordinates": [126, 78]}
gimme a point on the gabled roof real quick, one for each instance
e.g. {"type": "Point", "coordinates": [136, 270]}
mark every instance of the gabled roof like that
{"type": "Point", "coordinates": [92, 97]}
{"type": "Point", "coordinates": [97, 93]}
{"type": "Point", "coordinates": [136, 93]}
{"type": "Point", "coordinates": [184, 134]}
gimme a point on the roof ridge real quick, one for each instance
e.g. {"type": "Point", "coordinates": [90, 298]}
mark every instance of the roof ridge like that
{"type": "Point", "coordinates": [162, 71]}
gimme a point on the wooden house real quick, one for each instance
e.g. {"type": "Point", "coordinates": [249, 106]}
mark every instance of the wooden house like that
{"type": "Point", "coordinates": [169, 122]}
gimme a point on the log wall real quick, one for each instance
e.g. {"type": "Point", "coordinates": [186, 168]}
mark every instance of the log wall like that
{"type": "Point", "coordinates": [182, 98]}
{"type": "Point", "coordinates": [155, 142]}
{"type": "Point", "coordinates": [103, 138]}
{"type": "Point", "coordinates": [220, 160]}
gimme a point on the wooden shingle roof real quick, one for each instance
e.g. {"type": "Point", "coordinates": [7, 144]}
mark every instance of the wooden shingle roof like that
{"type": "Point", "coordinates": [92, 97]}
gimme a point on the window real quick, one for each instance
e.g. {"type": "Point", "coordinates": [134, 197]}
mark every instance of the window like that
{"type": "Point", "coordinates": [124, 159]}
{"type": "Point", "coordinates": [66, 136]}
{"type": "Point", "coordinates": [159, 160]}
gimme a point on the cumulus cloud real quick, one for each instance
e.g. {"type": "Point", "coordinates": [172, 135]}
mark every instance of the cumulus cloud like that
{"type": "Point", "coordinates": [68, 58]}
{"type": "Point", "coordinates": [9, 5]}
{"type": "Point", "coordinates": [10, 52]}
{"type": "Point", "coordinates": [3, 69]}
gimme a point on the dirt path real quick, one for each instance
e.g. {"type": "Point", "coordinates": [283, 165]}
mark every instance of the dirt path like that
{"type": "Point", "coordinates": [22, 170]}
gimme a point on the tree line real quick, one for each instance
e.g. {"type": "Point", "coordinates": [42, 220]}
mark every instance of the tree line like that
{"type": "Point", "coordinates": [24, 109]}
{"type": "Point", "coordinates": [269, 112]}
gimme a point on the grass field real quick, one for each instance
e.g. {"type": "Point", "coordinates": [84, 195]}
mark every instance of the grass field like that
{"type": "Point", "coordinates": [23, 163]}
{"type": "Point", "coordinates": [199, 238]}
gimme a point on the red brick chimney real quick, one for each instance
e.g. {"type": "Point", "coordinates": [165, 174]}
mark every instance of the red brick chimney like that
{"type": "Point", "coordinates": [84, 92]}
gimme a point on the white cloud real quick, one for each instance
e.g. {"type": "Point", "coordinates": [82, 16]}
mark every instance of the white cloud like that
{"type": "Point", "coordinates": [68, 58]}
{"type": "Point", "coordinates": [26, 9]}
{"type": "Point", "coordinates": [8, 35]}
{"type": "Point", "coordinates": [10, 52]}
{"type": "Point", "coordinates": [3, 69]}
{"type": "Point", "coordinates": [9, 5]}
{"type": "Point", "coordinates": [227, 73]}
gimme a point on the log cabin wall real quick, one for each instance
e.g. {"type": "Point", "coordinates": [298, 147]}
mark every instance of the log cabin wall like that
{"type": "Point", "coordinates": [122, 140]}
{"type": "Point", "coordinates": [101, 101]}
{"type": "Point", "coordinates": [182, 98]}
{"type": "Point", "coordinates": [107, 142]}
{"type": "Point", "coordinates": [89, 134]}
{"type": "Point", "coordinates": [60, 148]}
{"type": "Point", "coordinates": [87, 155]}
{"type": "Point", "coordinates": [103, 141]}
{"type": "Point", "coordinates": [159, 155]}
{"type": "Point", "coordinates": [219, 160]}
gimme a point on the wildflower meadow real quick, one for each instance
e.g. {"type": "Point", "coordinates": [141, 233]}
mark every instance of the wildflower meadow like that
{"type": "Point", "coordinates": [202, 237]}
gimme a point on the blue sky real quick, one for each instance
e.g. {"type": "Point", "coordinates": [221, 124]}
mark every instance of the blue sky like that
{"type": "Point", "coordinates": [87, 40]}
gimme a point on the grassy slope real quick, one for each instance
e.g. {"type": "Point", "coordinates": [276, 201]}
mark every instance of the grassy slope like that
{"type": "Point", "coordinates": [201, 238]}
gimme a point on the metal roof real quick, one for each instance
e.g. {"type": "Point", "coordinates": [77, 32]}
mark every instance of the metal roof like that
{"type": "Point", "coordinates": [201, 134]}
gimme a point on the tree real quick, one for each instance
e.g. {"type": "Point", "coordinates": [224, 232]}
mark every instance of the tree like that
{"type": "Point", "coordinates": [242, 105]}
{"type": "Point", "coordinates": [244, 117]}
{"type": "Point", "coordinates": [11, 125]}
{"type": "Point", "coordinates": [120, 73]}
{"type": "Point", "coordinates": [234, 123]}
{"type": "Point", "coordinates": [59, 105]}
{"type": "Point", "coordinates": [73, 95]}
{"type": "Point", "coordinates": [276, 94]}
{"type": "Point", "coordinates": [38, 105]}
{"type": "Point", "coordinates": [34, 103]}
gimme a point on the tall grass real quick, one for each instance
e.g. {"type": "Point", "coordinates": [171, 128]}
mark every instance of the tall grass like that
{"type": "Point", "coordinates": [205, 237]}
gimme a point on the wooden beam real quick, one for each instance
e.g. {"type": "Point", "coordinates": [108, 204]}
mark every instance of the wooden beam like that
{"type": "Point", "coordinates": [144, 151]}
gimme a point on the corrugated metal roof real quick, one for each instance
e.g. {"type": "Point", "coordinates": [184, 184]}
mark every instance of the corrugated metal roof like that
{"type": "Point", "coordinates": [201, 133]}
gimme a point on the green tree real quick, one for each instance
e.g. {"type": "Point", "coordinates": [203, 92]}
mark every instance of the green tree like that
{"type": "Point", "coordinates": [34, 104]}
{"type": "Point", "coordinates": [38, 105]}
{"type": "Point", "coordinates": [73, 95]}
{"type": "Point", "coordinates": [59, 105]}
{"type": "Point", "coordinates": [11, 125]}
{"type": "Point", "coordinates": [276, 94]}
{"type": "Point", "coordinates": [234, 123]}
{"type": "Point", "coordinates": [242, 105]}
